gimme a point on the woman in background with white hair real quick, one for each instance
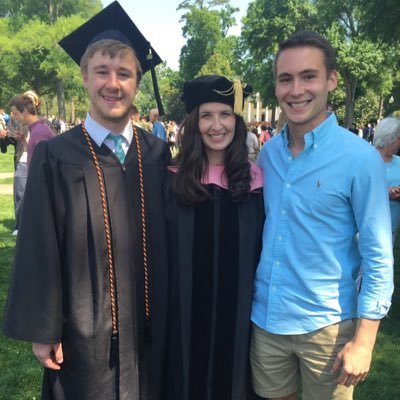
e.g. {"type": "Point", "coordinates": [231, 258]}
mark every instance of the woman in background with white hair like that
{"type": "Point", "coordinates": [387, 142]}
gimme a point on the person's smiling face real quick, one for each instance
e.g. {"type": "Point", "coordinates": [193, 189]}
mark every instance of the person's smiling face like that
{"type": "Point", "coordinates": [302, 87]}
{"type": "Point", "coordinates": [112, 86]}
{"type": "Point", "coordinates": [217, 124]}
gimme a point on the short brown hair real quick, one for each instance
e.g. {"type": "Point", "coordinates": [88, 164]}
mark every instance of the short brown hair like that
{"type": "Point", "coordinates": [310, 39]}
{"type": "Point", "coordinates": [133, 110]}
{"type": "Point", "coordinates": [112, 48]}
{"type": "Point", "coordinates": [24, 102]}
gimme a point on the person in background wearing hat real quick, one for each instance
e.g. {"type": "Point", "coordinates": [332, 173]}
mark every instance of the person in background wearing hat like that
{"type": "Point", "coordinates": [89, 283]}
{"type": "Point", "coordinates": [215, 218]}
{"type": "Point", "coordinates": [322, 187]}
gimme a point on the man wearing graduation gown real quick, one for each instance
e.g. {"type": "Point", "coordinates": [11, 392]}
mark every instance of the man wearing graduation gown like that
{"type": "Point", "coordinates": [88, 287]}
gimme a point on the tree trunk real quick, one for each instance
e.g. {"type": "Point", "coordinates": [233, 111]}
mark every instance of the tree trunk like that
{"type": "Point", "coordinates": [273, 116]}
{"type": "Point", "coordinates": [72, 112]}
{"type": "Point", "coordinates": [46, 103]}
{"type": "Point", "coordinates": [350, 85]}
{"type": "Point", "coordinates": [51, 11]}
{"type": "Point", "coordinates": [380, 109]}
{"type": "Point", "coordinates": [60, 98]}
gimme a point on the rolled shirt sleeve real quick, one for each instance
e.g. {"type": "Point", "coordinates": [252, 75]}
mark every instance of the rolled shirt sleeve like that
{"type": "Point", "coordinates": [372, 214]}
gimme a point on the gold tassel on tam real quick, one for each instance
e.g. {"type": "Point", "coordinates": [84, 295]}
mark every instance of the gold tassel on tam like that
{"type": "Point", "coordinates": [238, 101]}
{"type": "Point", "coordinates": [237, 91]}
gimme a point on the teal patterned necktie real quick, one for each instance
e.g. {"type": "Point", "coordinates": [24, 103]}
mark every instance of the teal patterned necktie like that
{"type": "Point", "coordinates": [119, 152]}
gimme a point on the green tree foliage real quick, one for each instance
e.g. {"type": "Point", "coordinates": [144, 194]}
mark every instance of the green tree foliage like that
{"type": "Point", "coordinates": [381, 19]}
{"type": "Point", "coordinates": [366, 106]}
{"type": "Point", "coordinates": [31, 57]}
{"type": "Point", "coordinates": [359, 59]}
{"type": "Point", "coordinates": [266, 24]}
{"type": "Point", "coordinates": [170, 84]}
{"type": "Point", "coordinates": [381, 25]}
{"type": "Point", "coordinates": [203, 32]}
{"type": "Point", "coordinates": [48, 10]}
{"type": "Point", "coordinates": [22, 59]}
{"type": "Point", "coordinates": [221, 62]}
{"type": "Point", "coordinates": [207, 42]}
{"type": "Point", "coordinates": [226, 11]}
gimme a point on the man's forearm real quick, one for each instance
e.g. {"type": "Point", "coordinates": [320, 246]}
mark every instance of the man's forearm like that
{"type": "Point", "coordinates": [366, 332]}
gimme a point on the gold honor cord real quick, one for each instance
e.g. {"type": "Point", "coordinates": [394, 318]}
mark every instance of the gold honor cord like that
{"type": "Point", "coordinates": [143, 220]}
{"type": "Point", "coordinates": [107, 230]}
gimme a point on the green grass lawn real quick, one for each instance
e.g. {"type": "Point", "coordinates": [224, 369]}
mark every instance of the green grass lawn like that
{"type": "Point", "coordinates": [6, 181]}
{"type": "Point", "coordinates": [20, 376]}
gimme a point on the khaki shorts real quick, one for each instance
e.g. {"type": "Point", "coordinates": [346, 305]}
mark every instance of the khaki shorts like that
{"type": "Point", "coordinates": [280, 362]}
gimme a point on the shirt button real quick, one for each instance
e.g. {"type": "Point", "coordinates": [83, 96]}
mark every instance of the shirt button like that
{"type": "Point", "coordinates": [288, 185]}
{"type": "Point", "coordinates": [283, 212]}
{"type": "Point", "coordinates": [315, 146]}
{"type": "Point", "coordinates": [279, 237]}
{"type": "Point", "coordinates": [290, 158]}
{"type": "Point", "coordinates": [277, 263]}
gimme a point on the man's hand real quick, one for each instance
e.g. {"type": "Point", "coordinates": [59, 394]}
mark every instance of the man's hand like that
{"type": "Point", "coordinates": [354, 359]}
{"type": "Point", "coordinates": [49, 355]}
{"type": "Point", "coordinates": [394, 192]}
{"type": "Point", "coordinates": [19, 136]}
{"type": "Point", "coordinates": [3, 133]}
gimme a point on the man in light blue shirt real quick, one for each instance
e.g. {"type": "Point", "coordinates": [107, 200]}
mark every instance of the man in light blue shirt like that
{"type": "Point", "coordinates": [387, 142]}
{"type": "Point", "coordinates": [158, 129]}
{"type": "Point", "coordinates": [327, 219]}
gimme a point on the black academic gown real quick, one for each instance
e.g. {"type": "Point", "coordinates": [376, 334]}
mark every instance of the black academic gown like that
{"type": "Point", "coordinates": [214, 250]}
{"type": "Point", "coordinates": [59, 290]}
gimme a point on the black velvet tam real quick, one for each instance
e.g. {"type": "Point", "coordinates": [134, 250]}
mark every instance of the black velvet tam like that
{"type": "Point", "coordinates": [214, 88]}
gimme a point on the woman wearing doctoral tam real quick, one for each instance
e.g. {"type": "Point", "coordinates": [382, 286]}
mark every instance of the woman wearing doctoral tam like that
{"type": "Point", "coordinates": [89, 283]}
{"type": "Point", "coordinates": [215, 216]}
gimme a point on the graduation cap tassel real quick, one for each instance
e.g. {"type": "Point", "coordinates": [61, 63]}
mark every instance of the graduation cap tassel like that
{"type": "Point", "coordinates": [155, 84]}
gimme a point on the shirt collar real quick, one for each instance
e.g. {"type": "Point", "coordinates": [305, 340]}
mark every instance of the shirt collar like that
{"type": "Point", "coordinates": [99, 133]}
{"type": "Point", "coordinates": [317, 135]}
{"type": "Point", "coordinates": [34, 123]}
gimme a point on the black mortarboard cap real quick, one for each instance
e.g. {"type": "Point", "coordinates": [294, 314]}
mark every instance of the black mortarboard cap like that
{"type": "Point", "coordinates": [114, 23]}
{"type": "Point", "coordinates": [215, 88]}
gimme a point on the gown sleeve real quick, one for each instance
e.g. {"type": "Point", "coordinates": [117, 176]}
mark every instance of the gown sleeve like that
{"type": "Point", "coordinates": [33, 309]}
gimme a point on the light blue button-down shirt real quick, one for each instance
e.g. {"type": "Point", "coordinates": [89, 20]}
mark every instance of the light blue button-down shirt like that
{"type": "Point", "coordinates": [159, 130]}
{"type": "Point", "coordinates": [315, 205]}
{"type": "Point", "coordinates": [393, 179]}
